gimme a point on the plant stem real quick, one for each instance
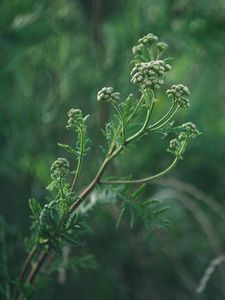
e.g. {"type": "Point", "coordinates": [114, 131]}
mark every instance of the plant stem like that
{"type": "Point", "coordinates": [163, 118]}
{"type": "Point", "coordinates": [79, 159]}
{"type": "Point", "coordinates": [146, 179]}
{"type": "Point", "coordinates": [142, 180]}
{"type": "Point", "coordinates": [145, 125]}
{"type": "Point", "coordinates": [166, 121]}
{"type": "Point", "coordinates": [37, 266]}
{"type": "Point", "coordinates": [91, 186]}
{"type": "Point", "coordinates": [25, 268]}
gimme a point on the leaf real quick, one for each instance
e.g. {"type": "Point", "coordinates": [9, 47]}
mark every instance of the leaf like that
{"type": "Point", "coordinates": [51, 186]}
{"type": "Point", "coordinates": [35, 208]}
{"type": "Point", "coordinates": [71, 239]}
{"type": "Point", "coordinates": [67, 148]}
{"type": "Point", "coordinates": [138, 191]}
{"type": "Point", "coordinates": [56, 247]}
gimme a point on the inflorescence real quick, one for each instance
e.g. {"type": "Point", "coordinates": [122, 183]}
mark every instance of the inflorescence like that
{"type": "Point", "coordinates": [179, 94]}
{"type": "Point", "coordinates": [150, 75]}
{"type": "Point", "coordinates": [107, 94]}
{"type": "Point", "coordinates": [60, 168]}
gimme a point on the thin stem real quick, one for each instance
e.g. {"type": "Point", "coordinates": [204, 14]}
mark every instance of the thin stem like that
{"type": "Point", "coordinates": [166, 121]}
{"type": "Point", "coordinates": [61, 188]}
{"type": "Point", "coordinates": [163, 118]}
{"type": "Point", "coordinates": [92, 185]}
{"type": "Point", "coordinates": [25, 268]}
{"type": "Point", "coordinates": [142, 180]}
{"type": "Point", "coordinates": [145, 125]}
{"type": "Point", "coordinates": [37, 266]}
{"type": "Point", "coordinates": [79, 159]}
{"type": "Point", "coordinates": [146, 179]}
{"type": "Point", "coordinates": [120, 114]}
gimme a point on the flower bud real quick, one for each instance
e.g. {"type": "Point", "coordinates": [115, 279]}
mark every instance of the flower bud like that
{"type": "Point", "coordinates": [107, 94]}
{"type": "Point", "coordinates": [137, 50]}
{"type": "Point", "coordinates": [161, 47]}
{"type": "Point", "coordinates": [190, 129]}
{"type": "Point", "coordinates": [174, 145]}
{"type": "Point", "coordinates": [148, 39]}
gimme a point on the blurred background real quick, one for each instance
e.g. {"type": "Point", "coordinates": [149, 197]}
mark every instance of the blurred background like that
{"type": "Point", "coordinates": [58, 54]}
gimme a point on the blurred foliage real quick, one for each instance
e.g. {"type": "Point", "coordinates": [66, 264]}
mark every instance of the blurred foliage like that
{"type": "Point", "coordinates": [58, 54]}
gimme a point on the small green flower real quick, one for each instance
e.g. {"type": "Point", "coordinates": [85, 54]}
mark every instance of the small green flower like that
{"type": "Point", "coordinates": [107, 94]}
{"type": "Point", "coordinates": [60, 168]}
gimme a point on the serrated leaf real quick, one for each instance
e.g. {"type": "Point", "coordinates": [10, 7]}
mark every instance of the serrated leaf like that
{"type": "Point", "coordinates": [71, 239]}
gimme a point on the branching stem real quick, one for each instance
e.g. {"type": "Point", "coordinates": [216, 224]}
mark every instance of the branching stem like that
{"type": "Point", "coordinates": [166, 121]}
{"type": "Point", "coordinates": [163, 118]}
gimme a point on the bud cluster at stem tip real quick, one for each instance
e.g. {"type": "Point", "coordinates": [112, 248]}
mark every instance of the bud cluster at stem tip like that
{"type": "Point", "coordinates": [75, 118]}
{"type": "Point", "coordinates": [146, 41]}
{"type": "Point", "coordinates": [151, 74]}
{"type": "Point", "coordinates": [60, 168]}
{"type": "Point", "coordinates": [179, 94]}
{"type": "Point", "coordinates": [107, 94]}
{"type": "Point", "coordinates": [190, 129]}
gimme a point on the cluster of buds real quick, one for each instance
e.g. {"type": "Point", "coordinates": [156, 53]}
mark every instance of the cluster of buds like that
{"type": "Point", "coordinates": [150, 75]}
{"type": "Point", "coordinates": [144, 42]}
{"type": "Point", "coordinates": [148, 39]}
{"type": "Point", "coordinates": [161, 47]}
{"type": "Point", "coordinates": [175, 145]}
{"type": "Point", "coordinates": [190, 129]}
{"type": "Point", "coordinates": [179, 94]}
{"type": "Point", "coordinates": [75, 118]}
{"type": "Point", "coordinates": [107, 94]}
{"type": "Point", "coordinates": [60, 168]}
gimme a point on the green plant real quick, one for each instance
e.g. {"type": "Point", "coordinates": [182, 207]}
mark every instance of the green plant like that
{"type": "Point", "coordinates": [63, 218]}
